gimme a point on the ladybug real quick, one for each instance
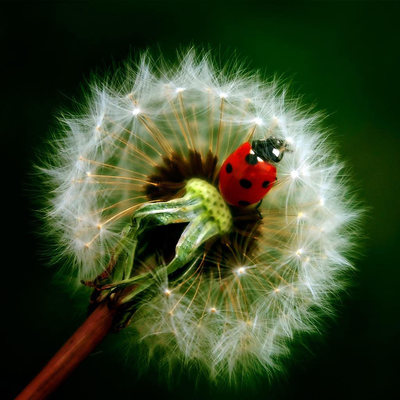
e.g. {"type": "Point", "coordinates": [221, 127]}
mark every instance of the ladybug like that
{"type": "Point", "coordinates": [247, 175]}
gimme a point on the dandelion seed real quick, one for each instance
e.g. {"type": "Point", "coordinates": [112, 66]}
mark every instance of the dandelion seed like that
{"type": "Point", "coordinates": [289, 140]}
{"type": "Point", "coordinates": [305, 171]}
{"type": "Point", "coordinates": [136, 111]}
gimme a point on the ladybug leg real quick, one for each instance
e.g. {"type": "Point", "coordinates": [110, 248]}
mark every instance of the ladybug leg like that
{"type": "Point", "coordinates": [257, 208]}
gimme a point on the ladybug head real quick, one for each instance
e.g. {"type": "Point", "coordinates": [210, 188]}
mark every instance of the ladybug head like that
{"type": "Point", "coordinates": [270, 149]}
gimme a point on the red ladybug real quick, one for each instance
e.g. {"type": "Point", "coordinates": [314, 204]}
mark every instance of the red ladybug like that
{"type": "Point", "coordinates": [247, 175]}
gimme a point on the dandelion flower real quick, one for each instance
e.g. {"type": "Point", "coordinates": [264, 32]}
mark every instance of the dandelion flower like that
{"type": "Point", "coordinates": [137, 211]}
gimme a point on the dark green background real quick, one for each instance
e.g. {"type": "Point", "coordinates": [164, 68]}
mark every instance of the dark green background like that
{"type": "Point", "coordinates": [342, 56]}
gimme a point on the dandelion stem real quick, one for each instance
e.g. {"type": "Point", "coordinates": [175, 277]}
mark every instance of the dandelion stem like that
{"type": "Point", "coordinates": [74, 351]}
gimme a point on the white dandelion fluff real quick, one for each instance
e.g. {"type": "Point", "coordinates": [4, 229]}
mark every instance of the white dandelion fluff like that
{"type": "Point", "coordinates": [136, 209]}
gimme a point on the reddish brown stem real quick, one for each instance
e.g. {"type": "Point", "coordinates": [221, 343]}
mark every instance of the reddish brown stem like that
{"type": "Point", "coordinates": [74, 351]}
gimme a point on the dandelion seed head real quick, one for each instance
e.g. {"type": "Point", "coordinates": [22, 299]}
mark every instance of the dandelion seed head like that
{"type": "Point", "coordinates": [239, 303]}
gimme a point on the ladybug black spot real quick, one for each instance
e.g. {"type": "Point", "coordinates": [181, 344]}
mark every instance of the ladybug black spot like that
{"type": "Point", "coordinates": [276, 178]}
{"type": "Point", "coordinates": [265, 184]}
{"type": "Point", "coordinates": [244, 183]}
{"type": "Point", "coordinates": [243, 203]}
{"type": "Point", "coordinates": [251, 159]}
{"type": "Point", "coordinates": [228, 168]}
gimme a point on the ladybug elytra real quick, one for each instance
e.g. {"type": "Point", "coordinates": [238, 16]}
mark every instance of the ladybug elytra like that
{"type": "Point", "coordinates": [247, 175]}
